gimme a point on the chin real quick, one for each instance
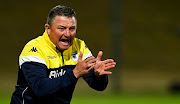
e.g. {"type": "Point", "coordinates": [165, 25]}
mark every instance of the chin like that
{"type": "Point", "coordinates": [63, 48]}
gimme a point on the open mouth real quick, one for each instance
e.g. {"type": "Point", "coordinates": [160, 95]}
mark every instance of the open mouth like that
{"type": "Point", "coordinates": [65, 41]}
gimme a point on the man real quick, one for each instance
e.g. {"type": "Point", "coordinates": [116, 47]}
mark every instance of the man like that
{"type": "Point", "coordinates": [50, 65]}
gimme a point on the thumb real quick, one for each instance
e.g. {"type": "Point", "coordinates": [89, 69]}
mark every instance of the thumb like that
{"type": "Point", "coordinates": [80, 56]}
{"type": "Point", "coordinates": [99, 55]}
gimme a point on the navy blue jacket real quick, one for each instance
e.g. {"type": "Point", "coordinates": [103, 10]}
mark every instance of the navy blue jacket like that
{"type": "Point", "coordinates": [46, 75]}
{"type": "Point", "coordinates": [34, 86]}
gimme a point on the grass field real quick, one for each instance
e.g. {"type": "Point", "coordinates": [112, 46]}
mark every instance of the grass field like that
{"type": "Point", "coordinates": [128, 99]}
{"type": "Point", "coordinates": [135, 90]}
{"type": "Point", "coordinates": [120, 99]}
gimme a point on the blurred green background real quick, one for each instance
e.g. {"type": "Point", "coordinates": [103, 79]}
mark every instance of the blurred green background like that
{"type": "Point", "coordinates": [149, 44]}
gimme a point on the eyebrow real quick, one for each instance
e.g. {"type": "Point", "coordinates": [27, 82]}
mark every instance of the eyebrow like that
{"type": "Point", "coordinates": [66, 27]}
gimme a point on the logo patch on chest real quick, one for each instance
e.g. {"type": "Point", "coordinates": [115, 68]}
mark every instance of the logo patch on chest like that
{"type": "Point", "coordinates": [74, 56]}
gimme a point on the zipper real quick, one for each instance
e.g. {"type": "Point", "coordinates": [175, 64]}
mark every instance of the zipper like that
{"type": "Point", "coordinates": [62, 58]}
{"type": "Point", "coordinates": [61, 55]}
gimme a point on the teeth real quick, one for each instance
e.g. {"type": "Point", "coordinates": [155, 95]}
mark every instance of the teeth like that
{"type": "Point", "coordinates": [65, 42]}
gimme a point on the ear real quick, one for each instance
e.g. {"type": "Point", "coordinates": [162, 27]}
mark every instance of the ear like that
{"type": "Point", "coordinates": [48, 28]}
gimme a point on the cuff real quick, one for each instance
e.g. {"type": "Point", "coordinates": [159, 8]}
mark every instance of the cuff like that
{"type": "Point", "coordinates": [71, 76]}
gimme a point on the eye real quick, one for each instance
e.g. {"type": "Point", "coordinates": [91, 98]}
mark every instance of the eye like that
{"type": "Point", "coordinates": [61, 28]}
{"type": "Point", "coordinates": [72, 28]}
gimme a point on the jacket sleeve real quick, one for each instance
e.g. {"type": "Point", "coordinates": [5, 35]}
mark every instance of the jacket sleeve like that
{"type": "Point", "coordinates": [37, 78]}
{"type": "Point", "coordinates": [97, 83]}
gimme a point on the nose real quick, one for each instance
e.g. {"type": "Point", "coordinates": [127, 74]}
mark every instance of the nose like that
{"type": "Point", "coordinates": [67, 32]}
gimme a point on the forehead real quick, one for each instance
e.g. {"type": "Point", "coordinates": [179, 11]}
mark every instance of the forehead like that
{"type": "Point", "coordinates": [64, 21]}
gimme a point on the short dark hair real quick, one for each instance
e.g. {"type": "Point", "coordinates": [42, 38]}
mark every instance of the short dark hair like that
{"type": "Point", "coordinates": [60, 11]}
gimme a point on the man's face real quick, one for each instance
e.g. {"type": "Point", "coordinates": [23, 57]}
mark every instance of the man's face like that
{"type": "Point", "coordinates": [62, 31]}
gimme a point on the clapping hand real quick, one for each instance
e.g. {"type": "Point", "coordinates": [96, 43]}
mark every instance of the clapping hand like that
{"type": "Point", "coordinates": [102, 67]}
{"type": "Point", "coordinates": [83, 67]}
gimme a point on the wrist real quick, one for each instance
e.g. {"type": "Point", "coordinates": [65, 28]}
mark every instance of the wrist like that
{"type": "Point", "coordinates": [97, 75]}
{"type": "Point", "coordinates": [75, 72]}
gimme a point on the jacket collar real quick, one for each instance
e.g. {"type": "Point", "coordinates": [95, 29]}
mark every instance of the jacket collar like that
{"type": "Point", "coordinates": [48, 41]}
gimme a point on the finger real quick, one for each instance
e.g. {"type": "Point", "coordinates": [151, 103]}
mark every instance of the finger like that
{"type": "Point", "coordinates": [80, 56]}
{"type": "Point", "coordinates": [106, 72]}
{"type": "Point", "coordinates": [109, 67]}
{"type": "Point", "coordinates": [99, 55]}
{"type": "Point", "coordinates": [90, 68]}
{"type": "Point", "coordinates": [108, 61]}
{"type": "Point", "coordinates": [109, 64]}
{"type": "Point", "coordinates": [91, 61]}
{"type": "Point", "coordinates": [90, 65]}
{"type": "Point", "coordinates": [88, 59]}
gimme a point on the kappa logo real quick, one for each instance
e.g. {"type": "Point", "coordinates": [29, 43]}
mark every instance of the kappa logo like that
{"type": "Point", "coordinates": [74, 56]}
{"type": "Point", "coordinates": [34, 50]}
